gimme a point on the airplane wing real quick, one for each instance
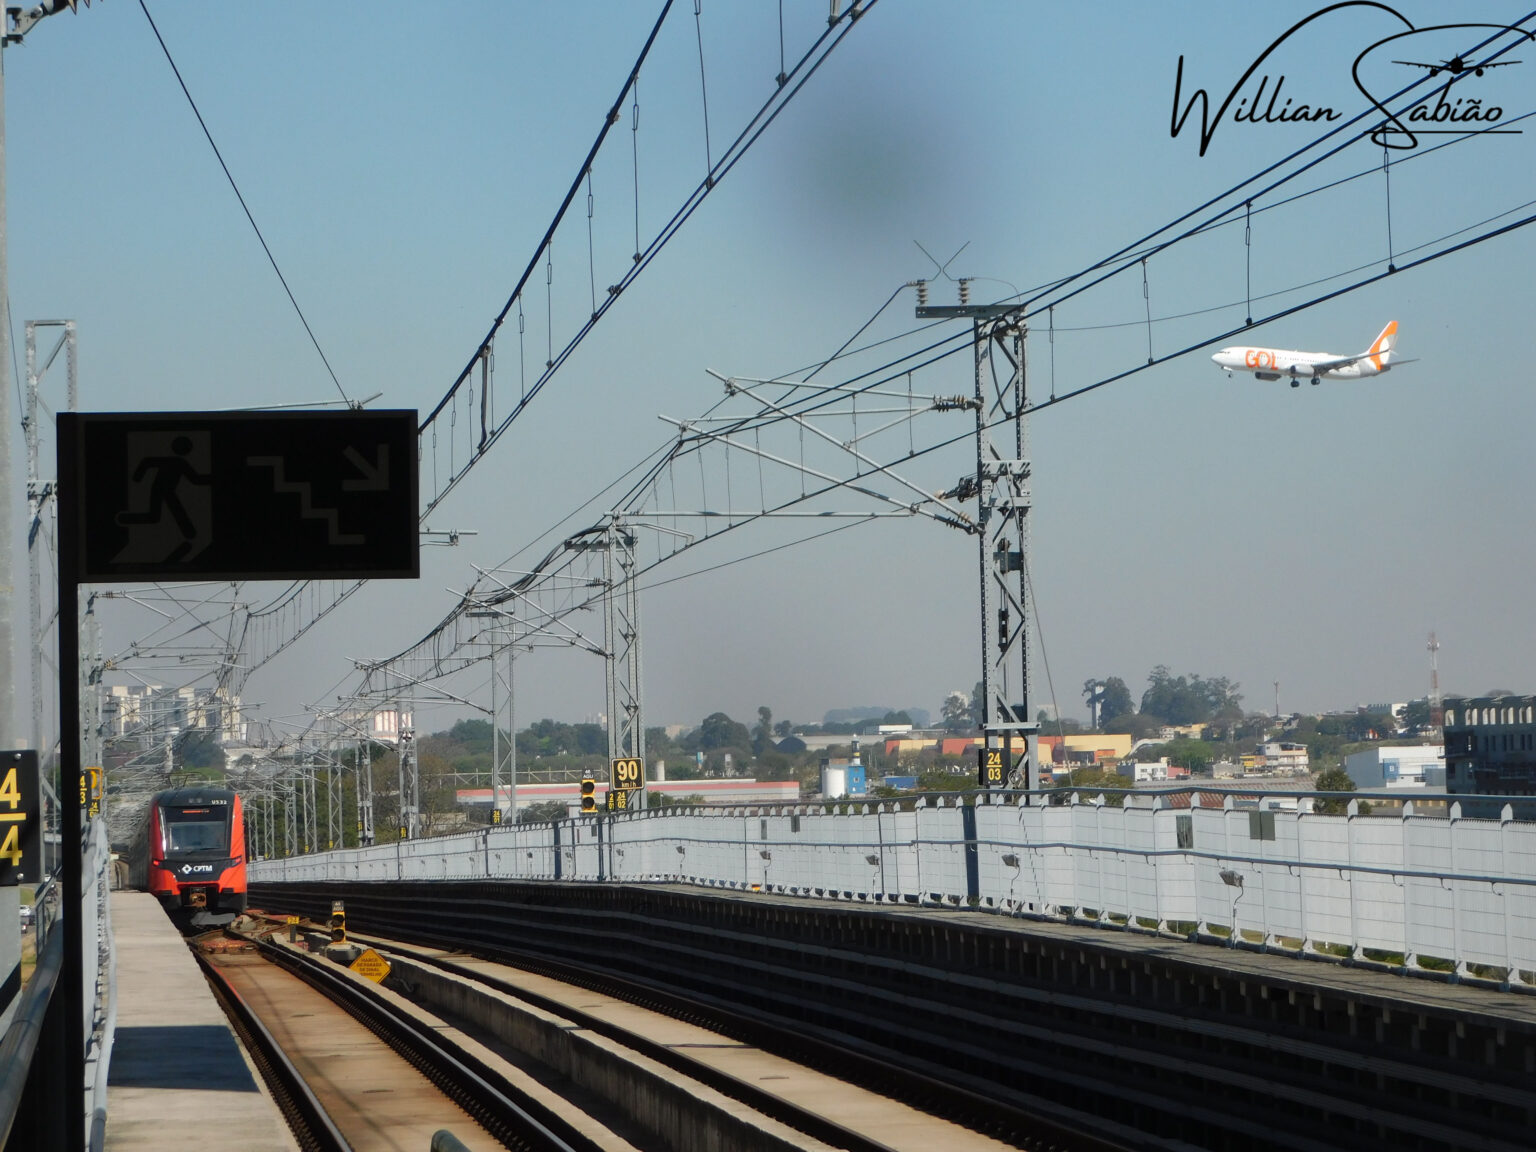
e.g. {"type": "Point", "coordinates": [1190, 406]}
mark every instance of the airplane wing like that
{"type": "Point", "coordinates": [1321, 366]}
{"type": "Point", "coordinates": [1339, 362]}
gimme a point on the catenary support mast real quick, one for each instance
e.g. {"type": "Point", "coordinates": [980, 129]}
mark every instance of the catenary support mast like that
{"type": "Point", "coordinates": [1003, 506]}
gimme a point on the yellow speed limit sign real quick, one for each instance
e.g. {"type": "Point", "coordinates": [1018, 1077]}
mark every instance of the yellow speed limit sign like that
{"type": "Point", "coordinates": [628, 773]}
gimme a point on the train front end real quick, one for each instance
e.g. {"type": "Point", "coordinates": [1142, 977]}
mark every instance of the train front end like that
{"type": "Point", "coordinates": [196, 850]}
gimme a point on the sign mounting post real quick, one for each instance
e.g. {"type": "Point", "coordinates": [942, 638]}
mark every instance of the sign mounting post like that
{"type": "Point", "coordinates": [180, 496]}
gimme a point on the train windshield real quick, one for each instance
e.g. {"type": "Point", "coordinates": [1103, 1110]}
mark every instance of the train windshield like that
{"type": "Point", "coordinates": [196, 829]}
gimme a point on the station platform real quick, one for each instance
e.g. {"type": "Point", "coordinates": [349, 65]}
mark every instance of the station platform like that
{"type": "Point", "coordinates": [178, 1077]}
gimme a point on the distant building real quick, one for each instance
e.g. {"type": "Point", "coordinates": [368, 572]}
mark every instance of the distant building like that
{"type": "Point", "coordinates": [1419, 766]}
{"type": "Point", "coordinates": [1284, 757]}
{"type": "Point", "coordinates": [843, 777]}
{"type": "Point", "coordinates": [1490, 745]}
{"type": "Point", "coordinates": [737, 791]}
{"type": "Point", "coordinates": [1152, 770]}
{"type": "Point", "coordinates": [153, 712]}
{"type": "Point", "coordinates": [1085, 748]}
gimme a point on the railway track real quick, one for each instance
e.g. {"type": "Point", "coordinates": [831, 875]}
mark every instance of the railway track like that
{"type": "Point", "coordinates": [353, 1070]}
{"type": "Point", "coordinates": [1087, 1042]}
{"type": "Point", "coordinates": [638, 1079]}
{"type": "Point", "coordinates": [518, 974]}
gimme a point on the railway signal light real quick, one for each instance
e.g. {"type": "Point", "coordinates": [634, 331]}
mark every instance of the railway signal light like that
{"type": "Point", "coordinates": [588, 794]}
{"type": "Point", "coordinates": [338, 922]}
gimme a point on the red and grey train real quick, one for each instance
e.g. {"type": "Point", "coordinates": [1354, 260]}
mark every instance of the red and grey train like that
{"type": "Point", "coordinates": [190, 851]}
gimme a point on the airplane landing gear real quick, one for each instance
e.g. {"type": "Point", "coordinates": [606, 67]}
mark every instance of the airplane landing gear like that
{"type": "Point", "coordinates": [1314, 381]}
{"type": "Point", "coordinates": [1295, 383]}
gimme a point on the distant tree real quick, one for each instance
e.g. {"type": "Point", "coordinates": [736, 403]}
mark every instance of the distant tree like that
{"type": "Point", "coordinates": [896, 718]}
{"type": "Point", "coordinates": [1138, 725]}
{"type": "Point", "coordinates": [473, 735]}
{"type": "Point", "coordinates": [719, 731]}
{"type": "Point", "coordinates": [978, 705]}
{"type": "Point", "coordinates": [543, 812]}
{"type": "Point", "coordinates": [1498, 692]}
{"type": "Point", "coordinates": [1190, 699]}
{"type": "Point", "coordinates": [783, 728]}
{"type": "Point", "coordinates": [774, 765]}
{"type": "Point", "coordinates": [1370, 726]}
{"type": "Point", "coordinates": [762, 735]}
{"type": "Point", "coordinates": [200, 749]}
{"type": "Point", "coordinates": [1114, 700]}
{"type": "Point", "coordinates": [665, 800]}
{"type": "Point", "coordinates": [1093, 696]}
{"type": "Point", "coordinates": [1090, 780]}
{"type": "Point", "coordinates": [1060, 725]}
{"type": "Point", "coordinates": [1195, 755]}
{"type": "Point", "coordinates": [1416, 715]}
{"type": "Point", "coordinates": [956, 712]}
{"type": "Point", "coordinates": [791, 746]}
{"type": "Point", "coordinates": [659, 745]}
{"type": "Point", "coordinates": [1333, 780]}
{"type": "Point", "coordinates": [940, 778]}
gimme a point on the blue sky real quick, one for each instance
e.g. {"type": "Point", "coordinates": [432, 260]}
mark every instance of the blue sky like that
{"type": "Point", "coordinates": [403, 164]}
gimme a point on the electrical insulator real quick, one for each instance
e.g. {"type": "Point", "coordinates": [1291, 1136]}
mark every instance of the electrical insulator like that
{"type": "Point", "coordinates": [965, 291]}
{"type": "Point", "coordinates": [922, 293]}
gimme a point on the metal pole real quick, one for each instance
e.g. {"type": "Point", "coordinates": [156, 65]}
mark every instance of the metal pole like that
{"type": "Point", "coordinates": [512, 727]}
{"type": "Point", "coordinates": [365, 793]}
{"type": "Point", "coordinates": [35, 538]}
{"type": "Point", "coordinates": [10, 730]}
{"type": "Point", "coordinates": [495, 740]}
{"type": "Point", "coordinates": [1003, 505]}
{"type": "Point", "coordinates": [72, 974]}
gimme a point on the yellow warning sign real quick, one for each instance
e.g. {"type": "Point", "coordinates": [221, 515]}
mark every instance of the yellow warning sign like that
{"type": "Point", "coordinates": [370, 964]}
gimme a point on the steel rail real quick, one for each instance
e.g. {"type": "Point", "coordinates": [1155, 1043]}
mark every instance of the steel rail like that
{"type": "Point", "coordinates": [1011, 1035]}
{"type": "Point", "coordinates": [307, 1118]}
{"type": "Point", "coordinates": [811, 1123]}
{"type": "Point", "coordinates": [971, 1109]}
{"type": "Point", "coordinates": [464, 1078]}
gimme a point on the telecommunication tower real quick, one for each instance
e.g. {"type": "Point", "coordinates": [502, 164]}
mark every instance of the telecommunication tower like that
{"type": "Point", "coordinates": [1436, 709]}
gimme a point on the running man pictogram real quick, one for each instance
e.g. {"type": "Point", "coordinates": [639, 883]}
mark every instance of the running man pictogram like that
{"type": "Point", "coordinates": [170, 513]}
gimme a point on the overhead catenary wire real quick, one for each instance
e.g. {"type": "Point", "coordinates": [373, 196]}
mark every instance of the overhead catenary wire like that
{"type": "Point", "coordinates": [1054, 398]}
{"type": "Point", "coordinates": [734, 523]}
{"type": "Point", "coordinates": [1276, 166]}
{"type": "Point", "coordinates": [244, 207]}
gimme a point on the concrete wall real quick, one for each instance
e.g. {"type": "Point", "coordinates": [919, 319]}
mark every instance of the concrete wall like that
{"type": "Point", "coordinates": [1439, 884]}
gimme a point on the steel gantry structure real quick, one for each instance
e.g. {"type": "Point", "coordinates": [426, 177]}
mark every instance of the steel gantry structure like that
{"type": "Point", "coordinates": [1003, 497]}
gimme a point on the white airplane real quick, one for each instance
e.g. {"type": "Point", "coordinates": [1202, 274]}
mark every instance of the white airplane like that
{"type": "Point", "coordinates": [1273, 363]}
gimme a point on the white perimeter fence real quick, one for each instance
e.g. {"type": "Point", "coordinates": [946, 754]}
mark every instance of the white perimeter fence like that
{"type": "Point", "coordinates": [1439, 889]}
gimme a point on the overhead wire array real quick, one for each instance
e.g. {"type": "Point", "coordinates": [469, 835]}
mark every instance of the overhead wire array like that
{"type": "Point", "coordinates": [444, 650]}
{"type": "Point", "coordinates": [690, 442]}
{"type": "Point", "coordinates": [277, 625]}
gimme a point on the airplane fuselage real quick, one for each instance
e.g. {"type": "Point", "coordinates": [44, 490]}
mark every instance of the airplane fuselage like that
{"type": "Point", "coordinates": [1273, 363]}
